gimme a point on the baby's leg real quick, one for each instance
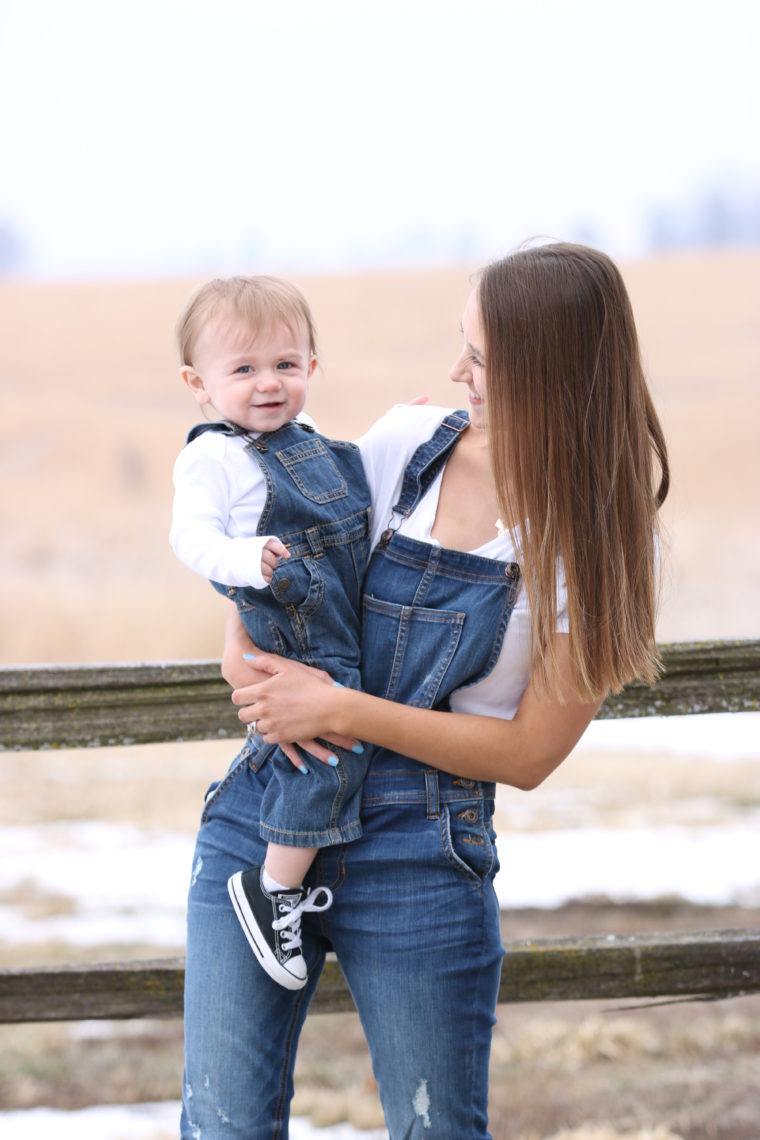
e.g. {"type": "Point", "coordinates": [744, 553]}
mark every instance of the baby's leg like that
{"type": "Point", "coordinates": [269, 902]}
{"type": "Point", "coordinates": [287, 866]}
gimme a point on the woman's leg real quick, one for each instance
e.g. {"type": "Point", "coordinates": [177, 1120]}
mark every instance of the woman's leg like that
{"type": "Point", "coordinates": [417, 934]}
{"type": "Point", "coordinates": [241, 1028]}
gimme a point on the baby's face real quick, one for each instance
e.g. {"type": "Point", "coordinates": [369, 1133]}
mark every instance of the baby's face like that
{"type": "Point", "coordinates": [258, 379]}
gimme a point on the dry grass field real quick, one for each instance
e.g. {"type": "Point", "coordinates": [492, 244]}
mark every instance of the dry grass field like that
{"type": "Point", "coordinates": [96, 416]}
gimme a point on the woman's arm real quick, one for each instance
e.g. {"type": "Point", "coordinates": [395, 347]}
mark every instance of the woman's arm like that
{"type": "Point", "coordinates": [235, 669]}
{"type": "Point", "coordinates": [521, 752]}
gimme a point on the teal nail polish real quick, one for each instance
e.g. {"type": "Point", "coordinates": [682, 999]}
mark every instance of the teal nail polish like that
{"type": "Point", "coordinates": [339, 684]}
{"type": "Point", "coordinates": [357, 748]}
{"type": "Point", "coordinates": [303, 770]}
{"type": "Point", "coordinates": [333, 761]}
{"type": "Point", "coordinates": [249, 657]}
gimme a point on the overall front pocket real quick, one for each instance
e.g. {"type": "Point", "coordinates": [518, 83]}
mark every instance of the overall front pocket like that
{"type": "Point", "coordinates": [418, 643]}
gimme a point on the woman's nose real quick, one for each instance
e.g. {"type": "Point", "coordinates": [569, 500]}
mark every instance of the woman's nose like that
{"type": "Point", "coordinates": [458, 370]}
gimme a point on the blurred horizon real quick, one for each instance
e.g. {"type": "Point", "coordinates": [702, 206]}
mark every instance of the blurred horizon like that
{"type": "Point", "coordinates": [164, 140]}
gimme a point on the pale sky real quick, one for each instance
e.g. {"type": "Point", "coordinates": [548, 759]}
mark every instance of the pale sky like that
{"type": "Point", "coordinates": [159, 137]}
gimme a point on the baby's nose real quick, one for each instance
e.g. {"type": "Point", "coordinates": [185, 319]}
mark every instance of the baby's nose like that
{"type": "Point", "coordinates": [268, 379]}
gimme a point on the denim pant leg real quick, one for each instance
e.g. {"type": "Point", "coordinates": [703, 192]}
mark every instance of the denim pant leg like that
{"type": "Point", "coordinates": [241, 1028]}
{"type": "Point", "coordinates": [418, 937]}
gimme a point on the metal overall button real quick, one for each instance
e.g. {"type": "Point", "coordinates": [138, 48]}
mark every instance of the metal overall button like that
{"type": "Point", "coordinates": [283, 585]}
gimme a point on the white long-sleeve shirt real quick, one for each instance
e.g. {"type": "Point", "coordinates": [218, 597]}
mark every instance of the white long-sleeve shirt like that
{"type": "Point", "coordinates": [219, 494]}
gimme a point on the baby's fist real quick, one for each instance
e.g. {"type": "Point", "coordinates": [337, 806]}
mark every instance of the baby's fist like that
{"type": "Point", "coordinates": [273, 551]}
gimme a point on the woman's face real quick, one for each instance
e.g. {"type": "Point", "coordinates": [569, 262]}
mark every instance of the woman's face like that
{"type": "Point", "coordinates": [469, 367]}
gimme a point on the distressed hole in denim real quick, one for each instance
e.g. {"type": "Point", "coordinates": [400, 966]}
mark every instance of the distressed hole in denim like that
{"type": "Point", "coordinates": [421, 1103]}
{"type": "Point", "coordinates": [196, 871]}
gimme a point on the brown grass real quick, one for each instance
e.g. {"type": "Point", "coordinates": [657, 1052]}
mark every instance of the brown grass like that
{"type": "Point", "coordinates": [95, 414]}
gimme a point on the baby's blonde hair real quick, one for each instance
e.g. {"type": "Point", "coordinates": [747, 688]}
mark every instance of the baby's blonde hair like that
{"type": "Point", "coordinates": [258, 301]}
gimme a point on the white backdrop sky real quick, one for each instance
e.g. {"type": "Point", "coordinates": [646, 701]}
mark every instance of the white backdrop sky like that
{"type": "Point", "coordinates": [166, 136]}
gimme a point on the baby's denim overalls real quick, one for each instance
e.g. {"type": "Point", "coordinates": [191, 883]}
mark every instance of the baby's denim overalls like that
{"type": "Point", "coordinates": [317, 503]}
{"type": "Point", "coordinates": [415, 919]}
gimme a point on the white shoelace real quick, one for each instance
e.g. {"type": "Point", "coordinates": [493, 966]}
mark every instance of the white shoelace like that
{"type": "Point", "coordinates": [290, 923]}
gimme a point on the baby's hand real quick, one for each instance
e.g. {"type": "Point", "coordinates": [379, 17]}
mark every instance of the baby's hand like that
{"type": "Point", "coordinates": [273, 551]}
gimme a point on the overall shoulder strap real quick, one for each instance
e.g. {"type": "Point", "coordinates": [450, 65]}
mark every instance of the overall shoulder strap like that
{"type": "Point", "coordinates": [291, 432]}
{"type": "Point", "coordinates": [428, 459]}
{"type": "Point", "coordinates": [219, 425]}
{"type": "Point", "coordinates": [227, 428]}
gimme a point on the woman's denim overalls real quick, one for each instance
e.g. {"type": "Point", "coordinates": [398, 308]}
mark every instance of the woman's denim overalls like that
{"type": "Point", "coordinates": [317, 503]}
{"type": "Point", "coordinates": [415, 921]}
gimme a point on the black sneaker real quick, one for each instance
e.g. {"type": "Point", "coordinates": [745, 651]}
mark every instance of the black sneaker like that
{"type": "Point", "coordinates": [272, 924]}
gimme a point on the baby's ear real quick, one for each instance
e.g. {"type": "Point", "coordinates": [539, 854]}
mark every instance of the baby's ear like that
{"type": "Point", "coordinates": [194, 382]}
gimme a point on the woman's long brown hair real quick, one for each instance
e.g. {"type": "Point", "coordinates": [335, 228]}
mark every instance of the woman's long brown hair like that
{"type": "Point", "coordinates": [578, 457]}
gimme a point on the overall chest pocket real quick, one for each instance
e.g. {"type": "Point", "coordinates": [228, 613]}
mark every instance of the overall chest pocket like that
{"type": "Point", "coordinates": [314, 471]}
{"type": "Point", "coordinates": [406, 650]}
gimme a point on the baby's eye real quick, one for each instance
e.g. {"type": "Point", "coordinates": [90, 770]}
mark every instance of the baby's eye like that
{"type": "Point", "coordinates": [244, 368]}
{"type": "Point", "coordinates": [284, 365]}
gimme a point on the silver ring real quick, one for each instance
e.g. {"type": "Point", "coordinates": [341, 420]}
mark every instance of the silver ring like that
{"type": "Point", "coordinates": [251, 729]}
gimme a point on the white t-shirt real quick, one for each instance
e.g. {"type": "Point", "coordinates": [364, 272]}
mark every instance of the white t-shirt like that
{"type": "Point", "coordinates": [386, 449]}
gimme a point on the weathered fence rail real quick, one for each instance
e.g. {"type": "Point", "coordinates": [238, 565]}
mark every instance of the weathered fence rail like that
{"type": "Point", "coordinates": [91, 706]}
{"type": "Point", "coordinates": [718, 964]}
{"type": "Point", "coordinates": [84, 706]}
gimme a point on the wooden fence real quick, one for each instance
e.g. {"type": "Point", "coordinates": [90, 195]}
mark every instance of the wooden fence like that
{"type": "Point", "coordinates": [91, 706]}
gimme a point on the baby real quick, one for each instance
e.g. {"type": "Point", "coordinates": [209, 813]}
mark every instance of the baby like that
{"type": "Point", "coordinates": [278, 518]}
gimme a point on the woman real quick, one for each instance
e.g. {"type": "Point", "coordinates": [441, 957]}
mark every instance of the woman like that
{"type": "Point", "coordinates": [512, 586]}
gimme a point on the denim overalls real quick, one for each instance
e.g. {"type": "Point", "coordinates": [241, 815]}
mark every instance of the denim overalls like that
{"type": "Point", "coordinates": [317, 503]}
{"type": "Point", "coordinates": [415, 919]}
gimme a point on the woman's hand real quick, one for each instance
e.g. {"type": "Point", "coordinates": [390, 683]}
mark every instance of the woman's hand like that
{"type": "Point", "coordinates": [240, 669]}
{"type": "Point", "coordinates": [282, 697]}
{"type": "Point", "coordinates": [293, 703]}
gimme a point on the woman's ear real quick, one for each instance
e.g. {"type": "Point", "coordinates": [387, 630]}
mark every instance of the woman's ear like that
{"type": "Point", "coordinates": [194, 382]}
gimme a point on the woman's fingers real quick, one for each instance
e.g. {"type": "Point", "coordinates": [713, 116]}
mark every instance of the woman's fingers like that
{"type": "Point", "coordinates": [295, 758]}
{"type": "Point", "coordinates": [314, 748]}
{"type": "Point", "coordinates": [350, 743]}
{"type": "Point", "coordinates": [272, 665]}
{"type": "Point", "coordinates": [319, 752]}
